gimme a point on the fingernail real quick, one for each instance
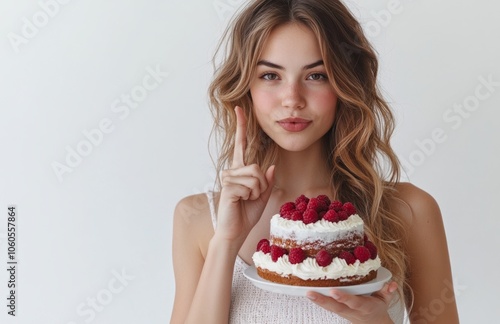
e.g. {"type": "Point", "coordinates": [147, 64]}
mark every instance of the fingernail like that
{"type": "Point", "coordinates": [392, 288]}
{"type": "Point", "coordinates": [311, 297]}
{"type": "Point", "coordinates": [334, 294]}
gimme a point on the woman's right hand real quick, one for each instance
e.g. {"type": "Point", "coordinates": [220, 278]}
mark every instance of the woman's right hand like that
{"type": "Point", "coordinates": [245, 191]}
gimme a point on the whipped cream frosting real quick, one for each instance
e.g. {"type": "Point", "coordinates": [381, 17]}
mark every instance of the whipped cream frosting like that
{"type": "Point", "coordinates": [309, 268]}
{"type": "Point", "coordinates": [321, 230]}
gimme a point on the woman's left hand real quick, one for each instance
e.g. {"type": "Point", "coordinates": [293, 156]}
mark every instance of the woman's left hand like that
{"type": "Point", "coordinates": [358, 309]}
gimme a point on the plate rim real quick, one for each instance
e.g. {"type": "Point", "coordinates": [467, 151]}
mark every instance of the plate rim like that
{"type": "Point", "coordinates": [383, 276]}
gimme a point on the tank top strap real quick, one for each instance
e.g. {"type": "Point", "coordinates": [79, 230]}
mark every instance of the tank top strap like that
{"type": "Point", "coordinates": [211, 204]}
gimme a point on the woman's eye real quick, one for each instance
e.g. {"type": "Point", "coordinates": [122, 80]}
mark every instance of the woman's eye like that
{"type": "Point", "coordinates": [317, 77]}
{"type": "Point", "coordinates": [269, 76]}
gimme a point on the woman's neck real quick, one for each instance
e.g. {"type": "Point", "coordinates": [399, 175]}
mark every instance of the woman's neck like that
{"type": "Point", "coordinates": [304, 172]}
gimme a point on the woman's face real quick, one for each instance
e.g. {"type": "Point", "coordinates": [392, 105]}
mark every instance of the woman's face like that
{"type": "Point", "coordinates": [293, 100]}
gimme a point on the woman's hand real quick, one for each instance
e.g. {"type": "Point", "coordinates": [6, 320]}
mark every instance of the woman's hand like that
{"type": "Point", "coordinates": [358, 309]}
{"type": "Point", "coordinates": [245, 191]}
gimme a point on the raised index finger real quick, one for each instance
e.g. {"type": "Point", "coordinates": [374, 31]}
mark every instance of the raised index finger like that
{"type": "Point", "coordinates": [240, 140]}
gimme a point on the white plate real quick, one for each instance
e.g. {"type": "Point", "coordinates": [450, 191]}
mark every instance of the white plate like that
{"type": "Point", "coordinates": [383, 275]}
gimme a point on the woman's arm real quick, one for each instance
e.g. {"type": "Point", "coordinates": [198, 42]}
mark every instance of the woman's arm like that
{"type": "Point", "coordinates": [202, 283]}
{"type": "Point", "coordinates": [430, 270]}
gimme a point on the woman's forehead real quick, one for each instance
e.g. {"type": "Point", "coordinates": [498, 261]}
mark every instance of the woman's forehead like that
{"type": "Point", "coordinates": [291, 44]}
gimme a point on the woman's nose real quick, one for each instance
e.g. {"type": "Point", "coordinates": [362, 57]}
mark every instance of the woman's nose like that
{"type": "Point", "coordinates": [293, 96]}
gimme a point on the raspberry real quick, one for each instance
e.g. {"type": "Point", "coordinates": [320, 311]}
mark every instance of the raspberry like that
{"type": "Point", "coordinates": [321, 214]}
{"type": "Point", "coordinates": [347, 256]}
{"type": "Point", "coordinates": [349, 208]}
{"type": "Point", "coordinates": [372, 248]}
{"type": "Point", "coordinates": [286, 209]}
{"type": "Point", "coordinates": [331, 216]}
{"type": "Point", "coordinates": [335, 205]}
{"type": "Point", "coordinates": [317, 204]}
{"type": "Point", "coordinates": [365, 238]}
{"type": "Point", "coordinates": [296, 216]}
{"type": "Point", "coordinates": [302, 206]}
{"type": "Point", "coordinates": [361, 253]}
{"type": "Point", "coordinates": [324, 258]}
{"type": "Point", "coordinates": [300, 199]}
{"type": "Point", "coordinates": [314, 204]}
{"type": "Point", "coordinates": [277, 252]}
{"type": "Point", "coordinates": [296, 255]}
{"type": "Point", "coordinates": [342, 215]}
{"type": "Point", "coordinates": [310, 216]}
{"type": "Point", "coordinates": [324, 200]}
{"type": "Point", "coordinates": [264, 246]}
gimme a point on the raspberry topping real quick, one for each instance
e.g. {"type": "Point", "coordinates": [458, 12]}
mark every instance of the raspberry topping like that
{"type": "Point", "coordinates": [347, 256]}
{"type": "Point", "coordinates": [286, 209]}
{"type": "Point", "coordinates": [296, 255]}
{"type": "Point", "coordinates": [324, 258]}
{"type": "Point", "coordinates": [264, 246]}
{"type": "Point", "coordinates": [342, 215]}
{"type": "Point", "coordinates": [362, 253]}
{"type": "Point", "coordinates": [349, 208]}
{"type": "Point", "coordinates": [314, 203]}
{"type": "Point", "coordinates": [331, 216]}
{"type": "Point", "coordinates": [302, 206]}
{"type": "Point", "coordinates": [310, 216]}
{"type": "Point", "coordinates": [301, 209]}
{"type": "Point", "coordinates": [296, 216]}
{"type": "Point", "coordinates": [277, 252]}
{"type": "Point", "coordinates": [300, 199]}
{"type": "Point", "coordinates": [325, 201]}
{"type": "Point", "coordinates": [336, 205]}
{"type": "Point", "coordinates": [372, 248]}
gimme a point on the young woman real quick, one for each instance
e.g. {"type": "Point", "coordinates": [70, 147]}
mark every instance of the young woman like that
{"type": "Point", "coordinates": [297, 108]}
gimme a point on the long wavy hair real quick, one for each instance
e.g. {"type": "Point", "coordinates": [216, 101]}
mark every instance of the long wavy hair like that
{"type": "Point", "coordinates": [364, 168]}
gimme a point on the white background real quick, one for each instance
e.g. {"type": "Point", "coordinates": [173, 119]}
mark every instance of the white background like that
{"type": "Point", "coordinates": [112, 213]}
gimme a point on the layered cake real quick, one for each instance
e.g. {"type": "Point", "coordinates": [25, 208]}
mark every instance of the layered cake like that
{"type": "Point", "coordinates": [316, 242]}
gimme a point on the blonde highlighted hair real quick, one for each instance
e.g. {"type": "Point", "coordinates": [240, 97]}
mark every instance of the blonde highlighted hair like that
{"type": "Point", "coordinates": [364, 168]}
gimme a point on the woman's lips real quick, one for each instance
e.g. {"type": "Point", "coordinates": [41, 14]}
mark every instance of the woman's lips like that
{"type": "Point", "coordinates": [294, 124]}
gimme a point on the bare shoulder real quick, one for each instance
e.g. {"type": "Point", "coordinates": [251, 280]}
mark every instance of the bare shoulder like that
{"type": "Point", "coordinates": [192, 208]}
{"type": "Point", "coordinates": [416, 205]}
{"type": "Point", "coordinates": [429, 272]}
{"type": "Point", "coordinates": [192, 230]}
{"type": "Point", "coordinates": [192, 218]}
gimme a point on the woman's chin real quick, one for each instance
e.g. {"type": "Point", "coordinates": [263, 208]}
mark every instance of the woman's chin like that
{"type": "Point", "coordinates": [296, 147]}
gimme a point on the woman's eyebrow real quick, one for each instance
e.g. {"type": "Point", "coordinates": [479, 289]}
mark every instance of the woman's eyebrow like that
{"type": "Point", "coordinates": [279, 67]}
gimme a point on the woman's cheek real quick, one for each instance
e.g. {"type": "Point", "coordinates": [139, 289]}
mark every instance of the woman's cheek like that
{"type": "Point", "coordinates": [263, 103]}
